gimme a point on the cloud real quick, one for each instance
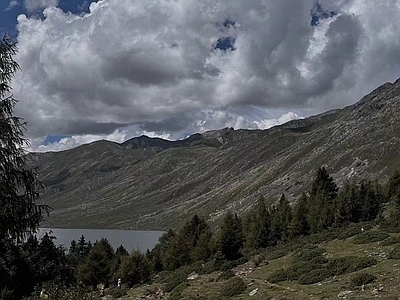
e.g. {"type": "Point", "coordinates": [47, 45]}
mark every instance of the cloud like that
{"type": "Point", "coordinates": [161, 65]}
{"type": "Point", "coordinates": [268, 123]}
{"type": "Point", "coordinates": [34, 6]}
{"type": "Point", "coordinates": [11, 5]}
{"type": "Point", "coordinates": [64, 143]}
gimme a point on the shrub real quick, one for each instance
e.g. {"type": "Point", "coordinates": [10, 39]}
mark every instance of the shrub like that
{"type": "Point", "coordinates": [225, 275]}
{"type": "Point", "coordinates": [361, 278]}
{"type": "Point", "coordinates": [117, 293]}
{"type": "Point", "coordinates": [275, 254]}
{"type": "Point", "coordinates": [61, 292]}
{"type": "Point", "coordinates": [309, 253]}
{"type": "Point", "coordinates": [176, 293]}
{"type": "Point", "coordinates": [349, 264]}
{"type": "Point", "coordinates": [281, 250]}
{"type": "Point", "coordinates": [323, 236]}
{"type": "Point", "coordinates": [370, 237]}
{"type": "Point", "coordinates": [314, 276]}
{"type": "Point", "coordinates": [391, 241]}
{"type": "Point", "coordinates": [309, 258]}
{"type": "Point", "coordinates": [277, 276]}
{"type": "Point", "coordinates": [258, 260]}
{"type": "Point", "coordinates": [300, 268]}
{"type": "Point", "coordinates": [209, 267]}
{"type": "Point", "coordinates": [349, 231]}
{"type": "Point", "coordinates": [232, 287]}
{"type": "Point", "coordinates": [173, 279]}
{"type": "Point", "coordinates": [395, 253]}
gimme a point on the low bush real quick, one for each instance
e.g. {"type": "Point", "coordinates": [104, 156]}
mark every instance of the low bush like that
{"type": "Point", "coordinates": [117, 293]}
{"type": "Point", "coordinates": [308, 253]}
{"type": "Point", "coordinates": [361, 278]}
{"type": "Point", "coordinates": [281, 250]}
{"type": "Point", "coordinates": [323, 236]}
{"type": "Point", "coordinates": [209, 267]}
{"type": "Point", "coordinates": [225, 275]}
{"type": "Point", "coordinates": [370, 237]}
{"type": "Point", "coordinates": [258, 260]}
{"type": "Point", "coordinates": [300, 268]}
{"type": "Point", "coordinates": [58, 292]}
{"type": "Point", "coordinates": [349, 264]}
{"type": "Point", "coordinates": [349, 231]}
{"type": "Point", "coordinates": [176, 293]}
{"type": "Point", "coordinates": [395, 253]}
{"type": "Point", "coordinates": [309, 258]}
{"type": "Point", "coordinates": [173, 279]}
{"type": "Point", "coordinates": [314, 276]}
{"type": "Point", "coordinates": [277, 276]}
{"type": "Point", "coordinates": [232, 287]}
{"type": "Point", "coordinates": [227, 265]}
{"type": "Point", "coordinates": [272, 254]}
{"type": "Point", "coordinates": [390, 241]}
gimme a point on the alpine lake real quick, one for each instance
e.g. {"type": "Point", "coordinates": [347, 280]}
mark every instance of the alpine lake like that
{"type": "Point", "coordinates": [141, 240]}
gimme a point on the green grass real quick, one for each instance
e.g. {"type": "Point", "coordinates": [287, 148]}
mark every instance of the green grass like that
{"type": "Point", "coordinates": [336, 265]}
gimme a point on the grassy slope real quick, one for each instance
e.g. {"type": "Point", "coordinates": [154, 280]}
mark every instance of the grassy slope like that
{"type": "Point", "coordinates": [386, 286]}
{"type": "Point", "coordinates": [104, 185]}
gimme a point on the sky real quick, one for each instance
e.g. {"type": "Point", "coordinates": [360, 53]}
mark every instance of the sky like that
{"type": "Point", "coordinates": [170, 68]}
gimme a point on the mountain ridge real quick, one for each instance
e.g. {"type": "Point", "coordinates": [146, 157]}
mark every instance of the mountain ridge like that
{"type": "Point", "coordinates": [150, 183]}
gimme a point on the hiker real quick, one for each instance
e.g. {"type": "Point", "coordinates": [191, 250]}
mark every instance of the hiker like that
{"type": "Point", "coordinates": [119, 283]}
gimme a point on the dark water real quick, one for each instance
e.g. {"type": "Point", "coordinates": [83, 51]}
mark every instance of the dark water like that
{"type": "Point", "coordinates": [131, 239]}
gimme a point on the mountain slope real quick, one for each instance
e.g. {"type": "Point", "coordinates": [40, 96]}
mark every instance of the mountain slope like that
{"type": "Point", "coordinates": [155, 184]}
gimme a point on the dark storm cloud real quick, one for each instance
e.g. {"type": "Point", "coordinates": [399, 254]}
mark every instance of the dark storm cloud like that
{"type": "Point", "coordinates": [161, 65]}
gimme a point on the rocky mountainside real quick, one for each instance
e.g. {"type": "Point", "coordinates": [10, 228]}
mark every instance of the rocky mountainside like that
{"type": "Point", "coordinates": [147, 183]}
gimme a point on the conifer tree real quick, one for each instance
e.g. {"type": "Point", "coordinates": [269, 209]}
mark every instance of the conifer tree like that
{"type": "Point", "coordinates": [393, 188]}
{"type": "Point", "coordinates": [19, 186]}
{"type": "Point", "coordinates": [97, 266]}
{"type": "Point", "coordinates": [231, 236]}
{"type": "Point", "coordinates": [257, 227]}
{"type": "Point", "coordinates": [134, 269]}
{"type": "Point", "coordinates": [299, 225]}
{"type": "Point", "coordinates": [321, 202]}
{"type": "Point", "coordinates": [281, 216]}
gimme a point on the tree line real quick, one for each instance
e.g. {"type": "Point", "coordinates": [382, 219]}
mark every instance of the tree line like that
{"type": "Point", "coordinates": [36, 262]}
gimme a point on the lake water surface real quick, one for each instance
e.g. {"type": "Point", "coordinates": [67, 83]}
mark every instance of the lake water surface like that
{"type": "Point", "coordinates": [131, 239]}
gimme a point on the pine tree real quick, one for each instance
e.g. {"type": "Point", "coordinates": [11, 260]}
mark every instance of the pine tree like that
{"type": "Point", "coordinates": [257, 227]}
{"type": "Point", "coordinates": [231, 236]}
{"type": "Point", "coordinates": [321, 202]}
{"type": "Point", "coordinates": [346, 204]}
{"type": "Point", "coordinates": [393, 188]}
{"type": "Point", "coordinates": [134, 269]}
{"type": "Point", "coordinates": [97, 266]}
{"type": "Point", "coordinates": [281, 218]}
{"type": "Point", "coordinates": [19, 186]}
{"type": "Point", "coordinates": [299, 225]}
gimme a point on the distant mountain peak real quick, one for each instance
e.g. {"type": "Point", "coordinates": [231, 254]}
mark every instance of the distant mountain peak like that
{"type": "Point", "coordinates": [151, 183]}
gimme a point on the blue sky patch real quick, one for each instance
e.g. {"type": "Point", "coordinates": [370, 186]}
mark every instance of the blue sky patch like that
{"type": "Point", "coordinates": [318, 13]}
{"type": "Point", "coordinates": [10, 10]}
{"type": "Point", "coordinates": [53, 138]}
{"type": "Point", "coordinates": [225, 43]}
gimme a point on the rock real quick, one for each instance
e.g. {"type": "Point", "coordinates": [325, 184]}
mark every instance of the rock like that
{"type": "Point", "coordinates": [253, 292]}
{"type": "Point", "coordinates": [344, 294]}
{"type": "Point", "coordinates": [193, 276]}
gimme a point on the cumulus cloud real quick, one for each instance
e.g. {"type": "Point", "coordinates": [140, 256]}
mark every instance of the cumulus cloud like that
{"type": "Point", "coordinates": [268, 123]}
{"type": "Point", "coordinates": [11, 5]}
{"type": "Point", "coordinates": [34, 6]}
{"type": "Point", "coordinates": [159, 65]}
{"type": "Point", "coordinates": [39, 145]}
